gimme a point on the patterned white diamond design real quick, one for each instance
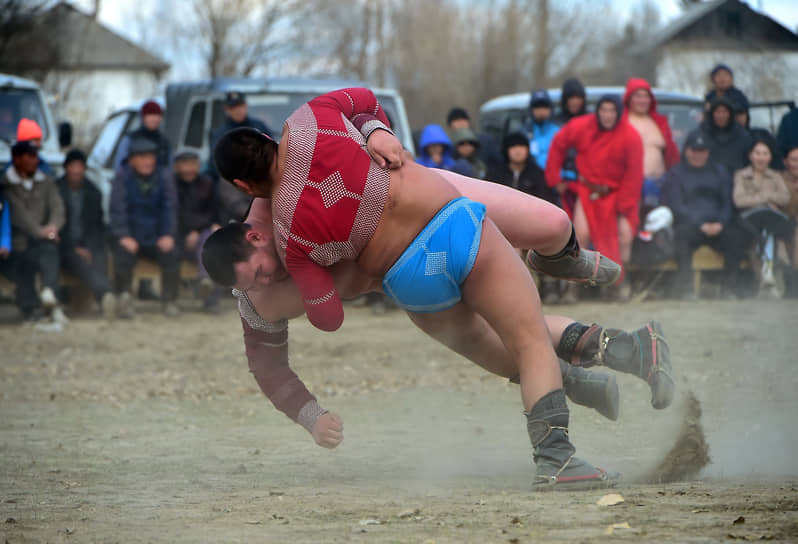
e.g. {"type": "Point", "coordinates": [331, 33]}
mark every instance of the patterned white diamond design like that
{"type": "Point", "coordinates": [436, 263]}
{"type": "Point", "coordinates": [332, 189]}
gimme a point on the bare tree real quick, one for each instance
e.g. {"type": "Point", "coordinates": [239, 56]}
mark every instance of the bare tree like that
{"type": "Point", "coordinates": [17, 19]}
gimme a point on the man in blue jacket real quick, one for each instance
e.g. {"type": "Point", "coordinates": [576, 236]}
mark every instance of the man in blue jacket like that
{"type": "Point", "coordinates": [144, 221]}
{"type": "Point", "coordinates": [5, 236]}
{"type": "Point", "coordinates": [541, 128]}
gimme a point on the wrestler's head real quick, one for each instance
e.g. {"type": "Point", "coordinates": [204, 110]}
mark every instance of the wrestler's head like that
{"type": "Point", "coordinates": [247, 158]}
{"type": "Point", "coordinates": [238, 255]}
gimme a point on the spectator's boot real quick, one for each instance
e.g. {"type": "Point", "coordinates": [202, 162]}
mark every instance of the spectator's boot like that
{"type": "Point", "coordinates": [576, 264]}
{"type": "Point", "coordinates": [643, 352]}
{"type": "Point", "coordinates": [125, 307]}
{"type": "Point", "coordinates": [592, 389]}
{"type": "Point", "coordinates": [108, 305]}
{"type": "Point", "coordinates": [556, 466]}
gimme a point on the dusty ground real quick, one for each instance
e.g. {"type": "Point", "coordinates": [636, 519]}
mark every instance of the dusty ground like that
{"type": "Point", "coordinates": [154, 431]}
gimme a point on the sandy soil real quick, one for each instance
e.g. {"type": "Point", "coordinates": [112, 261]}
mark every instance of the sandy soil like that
{"type": "Point", "coordinates": [154, 431]}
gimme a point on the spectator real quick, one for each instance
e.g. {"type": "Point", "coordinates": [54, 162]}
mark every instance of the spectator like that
{"type": "Point", "coordinates": [436, 148]}
{"type": "Point", "coordinates": [37, 213]}
{"type": "Point", "coordinates": [151, 117]}
{"type": "Point", "coordinates": [758, 193]}
{"type": "Point", "coordinates": [236, 112]}
{"type": "Point", "coordinates": [791, 209]}
{"type": "Point", "coordinates": [83, 236]}
{"type": "Point", "coordinates": [198, 217]}
{"type": "Point", "coordinates": [488, 150]}
{"type": "Point", "coordinates": [5, 237]}
{"type": "Point", "coordinates": [743, 118]}
{"type": "Point", "coordinates": [787, 133]}
{"type": "Point", "coordinates": [30, 131]}
{"type": "Point", "coordinates": [728, 142]}
{"type": "Point", "coordinates": [609, 158]}
{"type": "Point", "coordinates": [659, 150]}
{"type": "Point", "coordinates": [573, 101]}
{"type": "Point", "coordinates": [541, 127]}
{"type": "Point", "coordinates": [698, 192]}
{"type": "Point", "coordinates": [520, 171]}
{"type": "Point", "coordinates": [144, 221]}
{"type": "Point", "coordinates": [722, 79]}
{"type": "Point", "coordinates": [466, 147]}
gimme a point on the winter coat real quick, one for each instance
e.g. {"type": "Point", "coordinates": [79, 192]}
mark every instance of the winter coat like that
{"type": "Point", "coordinates": [5, 224]}
{"type": "Point", "coordinates": [570, 87]}
{"type": "Point", "coordinates": [791, 208]}
{"type": "Point", "coordinates": [734, 95]}
{"type": "Point", "coordinates": [33, 207]}
{"type": "Point", "coordinates": [44, 166]}
{"type": "Point", "coordinates": [611, 158]}
{"type": "Point", "coordinates": [91, 217]}
{"type": "Point", "coordinates": [434, 134]}
{"type": "Point", "coordinates": [787, 134]}
{"type": "Point", "coordinates": [163, 155]}
{"type": "Point", "coordinates": [198, 206]}
{"type": "Point", "coordinates": [540, 137]}
{"type": "Point", "coordinates": [530, 180]}
{"type": "Point", "coordinates": [728, 145]}
{"type": "Point", "coordinates": [751, 191]}
{"type": "Point", "coordinates": [698, 195]}
{"type": "Point", "coordinates": [143, 216]}
{"type": "Point", "coordinates": [671, 151]}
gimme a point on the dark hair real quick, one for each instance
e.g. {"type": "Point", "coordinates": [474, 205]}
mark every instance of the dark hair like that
{"type": "Point", "coordinates": [764, 142]}
{"type": "Point", "coordinates": [246, 154]}
{"type": "Point", "coordinates": [790, 149]}
{"type": "Point", "coordinates": [457, 113]}
{"type": "Point", "coordinates": [75, 155]}
{"type": "Point", "coordinates": [223, 249]}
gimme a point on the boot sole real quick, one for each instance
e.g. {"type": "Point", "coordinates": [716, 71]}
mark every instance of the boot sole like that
{"type": "Point", "coordinates": [609, 480]}
{"type": "Point", "coordinates": [612, 408]}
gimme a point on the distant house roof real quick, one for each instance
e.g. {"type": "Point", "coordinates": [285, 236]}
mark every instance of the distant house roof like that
{"type": "Point", "coordinates": [66, 38]}
{"type": "Point", "coordinates": [722, 24]}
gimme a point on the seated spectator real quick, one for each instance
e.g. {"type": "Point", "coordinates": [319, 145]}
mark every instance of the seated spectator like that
{"type": "Point", "coordinates": [150, 129]}
{"type": "Point", "coordinates": [37, 214]}
{"type": "Point", "coordinates": [488, 150]}
{"type": "Point", "coordinates": [541, 128]}
{"type": "Point", "coordinates": [759, 192]}
{"type": "Point", "coordinates": [722, 79]}
{"type": "Point", "coordinates": [83, 236]}
{"type": "Point", "coordinates": [791, 209]}
{"type": "Point", "coordinates": [466, 147]}
{"type": "Point", "coordinates": [659, 150]}
{"type": "Point", "coordinates": [198, 217]}
{"type": "Point", "coordinates": [144, 221]}
{"type": "Point", "coordinates": [698, 192]}
{"type": "Point", "coordinates": [728, 142]}
{"type": "Point", "coordinates": [30, 131]}
{"type": "Point", "coordinates": [609, 158]}
{"type": "Point", "coordinates": [787, 133]}
{"type": "Point", "coordinates": [520, 171]}
{"type": "Point", "coordinates": [743, 118]}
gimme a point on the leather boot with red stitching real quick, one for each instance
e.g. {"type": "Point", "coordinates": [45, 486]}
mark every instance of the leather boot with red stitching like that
{"type": "Point", "coordinates": [576, 264]}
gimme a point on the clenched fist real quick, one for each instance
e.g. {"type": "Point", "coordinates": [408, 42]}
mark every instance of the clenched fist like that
{"type": "Point", "coordinates": [328, 431]}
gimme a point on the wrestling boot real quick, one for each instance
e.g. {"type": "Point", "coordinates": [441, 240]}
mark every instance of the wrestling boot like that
{"type": "Point", "coordinates": [643, 352]}
{"type": "Point", "coordinates": [595, 390]}
{"type": "Point", "coordinates": [556, 466]}
{"type": "Point", "coordinates": [576, 264]}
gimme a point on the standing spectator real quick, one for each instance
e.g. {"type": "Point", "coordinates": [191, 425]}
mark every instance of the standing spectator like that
{"type": "Point", "coordinates": [150, 129]}
{"type": "Point", "coordinates": [722, 79]}
{"type": "Point", "coordinates": [787, 133]}
{"type": "Point", "coordinates": [198, 217]}
{"type": "Point", "coordinates": [520, 171]}
{"type": "Point", "coordinates": [791, 209]}
{"type": "Point", "coordinates": [659, 150]}
{"type": "Point", "coordinates": [698, 192]}
{"type": "Point", "coordinates": [728, 141]}
{"type": "Point", "coordinates": [759, 192]}
{"type": "Point", "coordinates": [743, 118]}
{"type": "Point", "coordinates": [488, 150]}
{"type": "Point", "coordinates": [30, 131]}
{"type": "Point", "coordinates": [83, 236]}
{"type": "Point", "coordinates": [37, 214]}
{"type": "Point", "coordinates": [541, 127]}
{"type": "Point", "coordinates": [609, 158]}
{"type": "Point", "coordinates": [144, 221]}
{"type": "Point", "coordinates": [466, 147]}
{"type": "Point", "coordinates": [236, 115]}
{"type": "Point", "coordinates": [573, 101]}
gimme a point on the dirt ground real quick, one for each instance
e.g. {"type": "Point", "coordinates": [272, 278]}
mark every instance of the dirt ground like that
{"type": "Point", "coordinates": [154, 431]}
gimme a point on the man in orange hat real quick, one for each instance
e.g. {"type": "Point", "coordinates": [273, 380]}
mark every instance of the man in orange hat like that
{"type": "Point", "coordinates": [29, 130]}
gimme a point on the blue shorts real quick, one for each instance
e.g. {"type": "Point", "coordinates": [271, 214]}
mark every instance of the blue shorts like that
{"type": "Point", "coordinates": [428, 275]}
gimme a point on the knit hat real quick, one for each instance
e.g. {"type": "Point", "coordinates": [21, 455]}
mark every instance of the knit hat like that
{"type": "Point", "coordinates": [234, 98]}
{"type": "Point", "coordinates": [151, 107]}
{"type": "Point", "coordinates": [718, 68]}
{"type": "Point", "coordinates": [74, 155]}
{"type": "Point", "coordinates": [457, 113]}
{"type": "Point", "coordinates": [513, 139]}
{"type": "Point", "coordinates": [187, 152]}
{"type": "Point", "coordinates": [540, 98]}
{"type": "Point", "coordinates": [695, 140]}
{"type": "Point", "coordinates": [28, 129]}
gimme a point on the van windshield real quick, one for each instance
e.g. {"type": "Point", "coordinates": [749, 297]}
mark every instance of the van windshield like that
{"type": "Point", "coordinates": [16, 104]}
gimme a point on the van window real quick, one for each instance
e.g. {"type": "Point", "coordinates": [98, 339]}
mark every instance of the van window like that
{"type": "Point", "coordinates": [196, 126]}
{"type": "Point", "coordinates": [102, 151]}
{"type": "Point", "coordinates": [16, 104]}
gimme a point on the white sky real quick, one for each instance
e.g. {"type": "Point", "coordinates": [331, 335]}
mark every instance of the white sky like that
{"type": "Point", "coordinates": [115, 13]}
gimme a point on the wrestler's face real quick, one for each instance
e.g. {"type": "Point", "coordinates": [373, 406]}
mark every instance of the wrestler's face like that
{"type": "Point", "coordinates": [263, 266]}
{"type": "Point", "coordinates": [640, 102]}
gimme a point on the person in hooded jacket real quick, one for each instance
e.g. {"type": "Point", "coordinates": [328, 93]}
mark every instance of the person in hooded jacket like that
{"type": "Point", "coordinates": [466, 148]}
{"type": "Point", "coordinates": [436, 152]}
{"type": "Point", "coordinates": [722, 79]}
{"type": "Point", "coordinates": [150, 129]}
{"type": "Point", "coordinates": [573, 103]}
{"type": "Point", "coordinates": [659, 150]}
{"type": "Point", "coordinates": [541, 127]}
{"type": "Point", "coordinates": [728, 141]}
{"type": "Point", "coordinates": [488, 149]}
{"type": "Point", "coordinates": [609, 159]}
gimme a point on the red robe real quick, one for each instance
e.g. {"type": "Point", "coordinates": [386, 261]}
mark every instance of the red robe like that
{"type": "Point", "coordinates": [612, 158]}
{"type": "Point", "coordinates": [671, 151]}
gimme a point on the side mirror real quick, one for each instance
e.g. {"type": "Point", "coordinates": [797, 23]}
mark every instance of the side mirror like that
{"type": "Point", "coordinates": [65, 134]}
